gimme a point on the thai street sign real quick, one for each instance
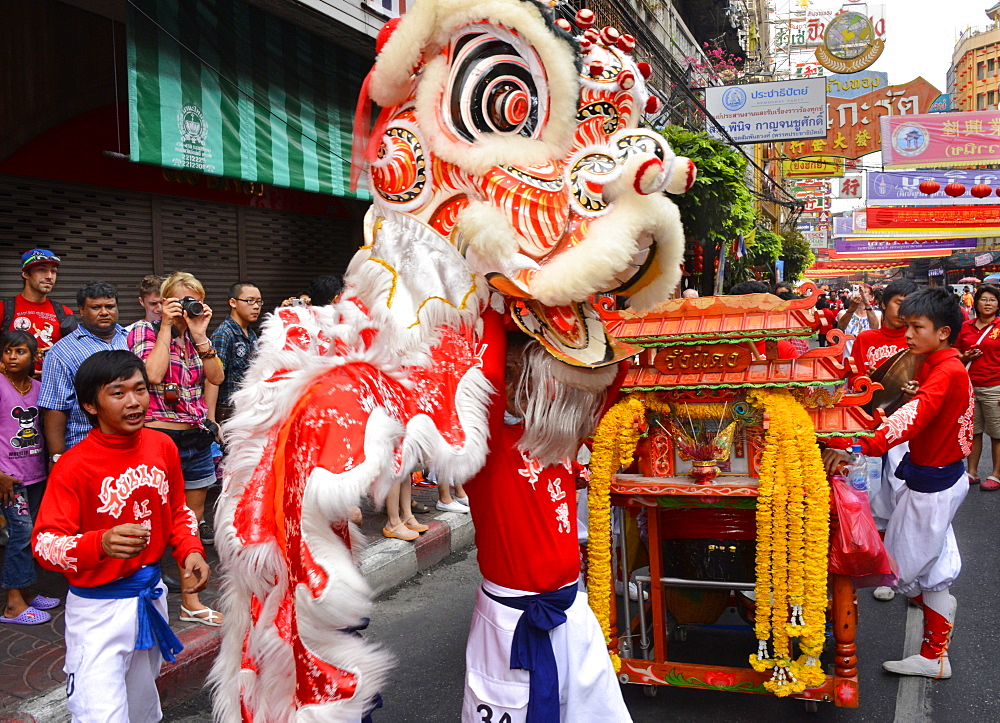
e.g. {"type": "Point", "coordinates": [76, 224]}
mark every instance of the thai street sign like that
{"type": "Point", "coordinates": [768, 112]}
{"type": "Point", "coordinates": [853, 129]}
{"type": "Point", "coordinates": [852, 85]}
{"type": "Point", "coordinates": [819, 167]}
{"type": "Point", "coordinates": [941, 139]}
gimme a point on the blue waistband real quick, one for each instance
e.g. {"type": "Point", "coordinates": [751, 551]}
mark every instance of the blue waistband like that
{"type": "Point", "coordinates": [921, 478]}
{"type": "Point", "coordinates": [531, 648]}
{"type": "Point", "coordinates": [143, 584]}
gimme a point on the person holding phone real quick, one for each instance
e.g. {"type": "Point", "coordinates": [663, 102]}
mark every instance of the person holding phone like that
{"type": "Point", "coordinates": [860, 315]}
{"type": "Point", "coordinates": [179, 358]}
{"type": "Point", "coordinates": [979, 344]}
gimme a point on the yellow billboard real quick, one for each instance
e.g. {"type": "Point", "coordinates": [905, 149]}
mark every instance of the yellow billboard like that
{"type": "Point", "coordinates": [814, 167]}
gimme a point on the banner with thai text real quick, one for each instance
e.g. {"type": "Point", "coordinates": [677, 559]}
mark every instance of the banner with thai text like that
{"type": "Point", "coordinates": [852, 85]}
{"type": "Point", "coordinates": [820, 167]}
{"type": "Point", "coordinates": [854, 130]}
{"type": "Point", "coordinates": [941, 139]}
{"type": "Point", "coordinates": [893, 188]}
{"type": "Point", "coordinates": [870, 246]}
{"type": "Point", "coordinates": [769, 112]}
{"type": "Point", "coordinates": [805, 26]}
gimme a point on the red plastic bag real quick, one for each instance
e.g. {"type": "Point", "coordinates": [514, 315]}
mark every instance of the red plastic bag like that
{"type": "Point", "coordinates": [856, 548]}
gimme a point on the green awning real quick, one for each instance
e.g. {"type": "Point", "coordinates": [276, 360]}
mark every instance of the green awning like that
{"type": "Point", "coordinates": [223, 88]}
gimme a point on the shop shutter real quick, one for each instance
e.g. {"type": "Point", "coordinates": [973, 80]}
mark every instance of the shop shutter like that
{"type": "Point", "coordinates": [202, 238]}
{"type": "Point", "coordinates": [99, 233]}
{"type": "Point", "coordinates": [286, 250]}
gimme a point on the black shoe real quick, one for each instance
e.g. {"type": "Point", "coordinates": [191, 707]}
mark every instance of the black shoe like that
{"type": "Point", "coordinates": [206, 532]}
{"type": "Point", "coordinates": [172, 583]}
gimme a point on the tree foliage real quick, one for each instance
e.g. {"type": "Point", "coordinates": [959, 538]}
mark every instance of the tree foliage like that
{"type": "Point", "coordinates": [719, 207]}
{"type": "Point", "coordinates": [796, 254]}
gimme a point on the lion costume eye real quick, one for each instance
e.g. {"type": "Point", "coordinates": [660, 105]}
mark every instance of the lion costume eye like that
{"type": "Point", "coordinates": [496, 86]}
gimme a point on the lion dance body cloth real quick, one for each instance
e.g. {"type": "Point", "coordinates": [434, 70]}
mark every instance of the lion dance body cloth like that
{"type": "Point", "coordinates": [507, 169]}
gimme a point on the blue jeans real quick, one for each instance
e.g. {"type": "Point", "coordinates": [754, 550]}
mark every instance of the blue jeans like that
{"type": "Point", "coordinates": [18, 566]}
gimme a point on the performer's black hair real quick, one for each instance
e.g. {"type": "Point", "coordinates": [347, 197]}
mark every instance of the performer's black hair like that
{"type": "Point", "coordinates": [899, 287]}
{"type": "Point", "coordinates": [938, 305]}
{"type": "Point", "coordinates": [101, 369]}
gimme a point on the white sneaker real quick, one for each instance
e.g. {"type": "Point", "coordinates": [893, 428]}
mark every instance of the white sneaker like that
{"type": "Point", "coordinates": [452, 507]}
{"type": "Point", "coordinates": [461, 500]}
{"type": "Point", "coordinates": [883, 593]}
{"type": "Point", "coordinates": [633, 591]}
{"type": "Point", "coordinates": [919, 665]}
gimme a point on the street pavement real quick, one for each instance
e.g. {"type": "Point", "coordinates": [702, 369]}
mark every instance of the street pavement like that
{"type": "Point", "coordinates": [425, 621]}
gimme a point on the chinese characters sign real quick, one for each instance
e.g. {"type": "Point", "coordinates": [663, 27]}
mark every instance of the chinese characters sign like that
{"type": "Point", "coordinates": [767, 112]}
{"type": "Point", "coordinates": [853, 128]}
{"type": "Point", "coordinates": [960, 139]}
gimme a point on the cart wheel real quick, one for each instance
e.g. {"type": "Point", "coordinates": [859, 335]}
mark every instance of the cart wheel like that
{"type": "Point", "coordinates": [682, 633]}
{"type": "Point", "coordinates": [812, 706]}
{"type": "Point", "coordinates": [650, 691]}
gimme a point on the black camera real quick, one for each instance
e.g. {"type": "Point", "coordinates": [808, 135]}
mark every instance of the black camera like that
{"type": "Point", "coordinates": [192, 307]}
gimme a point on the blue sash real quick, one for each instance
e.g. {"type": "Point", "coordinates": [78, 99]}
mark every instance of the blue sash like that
{"type": "Point", "coordinates": [531, 648]}
{"type": "Point", "coordinates": [142, 584]}
{"type": "Point", "coordinates": [921, 478]}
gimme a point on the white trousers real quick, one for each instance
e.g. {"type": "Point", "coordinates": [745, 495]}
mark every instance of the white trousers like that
{"type": "Point", "coordinates": [107, 679]}
{"type": "Point", "coordinates": [921, 539]}
{"type": "Point", "coordinates": [588, 688]}
{"type": "Point", "coordinates": [884, 501]}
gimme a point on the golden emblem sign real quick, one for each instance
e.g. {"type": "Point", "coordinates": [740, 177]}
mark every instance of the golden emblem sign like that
{"type": "Point", "coordinates": [849, 44]}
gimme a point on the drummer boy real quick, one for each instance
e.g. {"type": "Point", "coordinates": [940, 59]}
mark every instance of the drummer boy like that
{"type": "Point", "coordinates": [938, 422]}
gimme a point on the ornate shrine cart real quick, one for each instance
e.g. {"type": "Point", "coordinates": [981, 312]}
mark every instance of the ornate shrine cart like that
{"type": "Point", "coordinates": [711, 368]}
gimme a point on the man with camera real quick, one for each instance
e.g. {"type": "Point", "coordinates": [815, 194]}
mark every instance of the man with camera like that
{"type": "Point", "coordinates": [179, 358]}
{"type": "Point", "coordinates": [65, 423]}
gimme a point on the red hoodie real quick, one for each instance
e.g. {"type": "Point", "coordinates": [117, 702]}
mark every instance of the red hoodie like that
{"type": "Point", "coordinates": [109, 480]}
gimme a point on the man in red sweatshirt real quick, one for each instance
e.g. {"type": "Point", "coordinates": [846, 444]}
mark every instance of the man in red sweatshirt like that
{"type": "Point", "coordinates": [113, 504]}
{"type": "Point", "coordinates": [938, 422]}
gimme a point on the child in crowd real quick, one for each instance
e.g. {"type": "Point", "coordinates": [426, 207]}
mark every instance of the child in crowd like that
{"type": "Point", "coordinates": [22, 477]}
{"type": "Point", "coordinates": [938, 421]}
{"type": "Point", "coordinates": [114, 503]}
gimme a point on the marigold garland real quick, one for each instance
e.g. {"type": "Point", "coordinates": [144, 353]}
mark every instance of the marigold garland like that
{"type": "Point", "coordinates": [792, 547]}
{"type": "Point", "coordinates": [614, 444]}
{"type": "Point", "coordinates": [792, 533]}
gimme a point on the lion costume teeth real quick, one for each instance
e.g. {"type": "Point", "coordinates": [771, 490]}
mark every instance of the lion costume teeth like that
{"type": "Point", "coordinates": [507, 168]}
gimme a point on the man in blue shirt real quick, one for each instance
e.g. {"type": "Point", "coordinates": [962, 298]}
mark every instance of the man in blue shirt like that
{"type": "Point", "coordinates": [235, 343]}
{"type": "Point", "coordinates": [65, 422]}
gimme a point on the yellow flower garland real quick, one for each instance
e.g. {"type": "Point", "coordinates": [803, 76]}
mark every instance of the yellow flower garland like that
{"type": "Point", "coordinates": [614, 444]}
{"type": "Point", "coordinates": [792, 547]}
{"type": "Point", "coordinates": [792, 534]}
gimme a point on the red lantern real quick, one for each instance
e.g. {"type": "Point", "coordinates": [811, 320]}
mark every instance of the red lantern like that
{"type": "Point", "coordinates": [998, 190]}
{"type": "Point", "coordinates": [954, 189]}
{"type": "Point", "coordinates": [929, 187]}
{"type": "Point", "coordinates": [980, 190]}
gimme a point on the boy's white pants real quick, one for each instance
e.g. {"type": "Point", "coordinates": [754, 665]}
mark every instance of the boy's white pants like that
{"type": "Point", "coordinates": [921, 539]}
{"type": "Point", "coordinates": [107, 679]}
{"type": "Point", "coordinates": [588, 688]}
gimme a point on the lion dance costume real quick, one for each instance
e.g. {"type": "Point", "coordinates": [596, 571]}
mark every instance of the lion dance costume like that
{"type": "Point", "coordinates": [507, 170]}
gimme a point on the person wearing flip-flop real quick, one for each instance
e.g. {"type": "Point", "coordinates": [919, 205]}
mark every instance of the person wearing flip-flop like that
{"type": "Point", "coordinates": [23, 468]}
{"type": "Point", "coordinates": [979, 344]}
{"type": "Point", "coordinates": [113, 504]}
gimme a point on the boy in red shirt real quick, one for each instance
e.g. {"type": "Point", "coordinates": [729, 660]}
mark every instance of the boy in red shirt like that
{"type": "Point", "coordinates": [113, 504]}
{"type": "Point", "coordinates": [938, 421]}
{"type": "Point", "coordinates": [872, 349]}
{"type": "Point", "coordinates": [535, 650]}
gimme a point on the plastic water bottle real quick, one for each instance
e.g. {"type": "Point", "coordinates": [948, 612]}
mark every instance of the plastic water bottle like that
{"type": "Point", "coordinates": [857, 469]}
{"type": "Point", "coordinates": [874, 475]}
